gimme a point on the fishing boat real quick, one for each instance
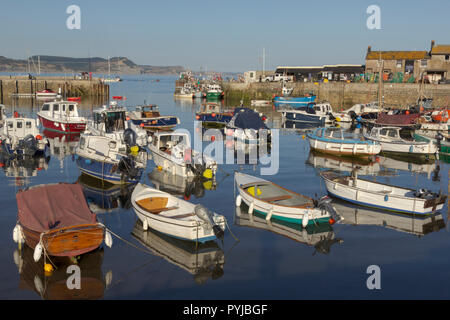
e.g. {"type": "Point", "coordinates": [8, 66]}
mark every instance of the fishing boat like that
{"type": "Point", "coordinates": [46, 94]}
{"type": "Point", "coordinates": [55, 220]}
{"type": "Point", "coordinates": [334, 141]}
{"type": "Point", "coordinates": [21, 137]}
{"type": "Point", "coordinates": [276, 202]}
{"type": "Point", "coordinates": [418, 225]}
{"type": "Point", "coordinates": [62, 116]}
{"type": "Point", "coordinates": [185, 92]}
{"type": "Point", "coordinates": [297, 101]}
{"type": "Point", "coordinates": [440, 139]}
{"type": "Point", "coordinates": [248, 126]}
{"type": "Point", "coordinates": [148, 117]}
{"type": "Point", "coordinates": [212, 114]}
{"type": "Point", "coordinates": [178, 218]}
{"type": "Point", "coordinates": [319, 114]}
{"type": "Point", "coordinates": [382, 196]}
{"type": "Point", "coordinates": [214, 91]}
{"type": "Point", "coordinates": [198, 94]}
{"type": "Point", "coordinates": [202, 260]}
{"type": "Point", "coordinates": [392, 142]}
{"type": "Point", "coordinates": [111, 148]}
{"type": "Point", "coordinates": [171, 152]}
{"type": "Point", "coordinates": [320, 236]}
{"type": "Point", "coordinates": [358, 111]}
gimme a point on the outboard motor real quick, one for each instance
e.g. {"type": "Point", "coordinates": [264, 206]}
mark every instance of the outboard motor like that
{"type": "Point", "coordinates": [324, 203]}
{"type": "Point", "coordinates": [29, 145]}
{"type": "Point", "coordinates": [206, 216]}
{"type": "Point", "coordinates": [127, 168]}
{"type": "Point", "coordinates": [129, 137]}
{"type": "Point", "coordinates": [439, 138]}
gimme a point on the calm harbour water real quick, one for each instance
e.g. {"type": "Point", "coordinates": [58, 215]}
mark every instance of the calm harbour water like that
{"type": "Point", "coordinates": [277, 262]}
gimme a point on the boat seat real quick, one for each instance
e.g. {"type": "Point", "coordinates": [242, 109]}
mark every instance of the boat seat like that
{"type": "Point", "coordinates": [279, 198]}
{"type": "Point", "coordinates": [155, 205]}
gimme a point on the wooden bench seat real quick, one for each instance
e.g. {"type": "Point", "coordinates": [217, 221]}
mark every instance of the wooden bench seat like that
{"type": "Point", "coordinates": [283, 197]}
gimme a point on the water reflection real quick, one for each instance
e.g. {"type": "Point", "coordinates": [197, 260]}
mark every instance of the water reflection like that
{"type": "Point", "coordinates": [203, 260]}
{"type": "Point", "coordinates": [104, 197]}
{"type": "Point", "coordinates": [320, 236]}
{"type": "Point", "coordinates": [54, 286]}
{"type": "Point", "coordinates": [418, 225]}
{"type": "Point", "coordinates": [21, 169]}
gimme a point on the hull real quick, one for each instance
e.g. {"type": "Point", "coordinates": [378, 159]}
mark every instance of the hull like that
{"type": "Point", "coordinates": [64, 127]}
{"type": "Point", "coordinates": [344, 149]}
{"type": "Point", "coordinates": [67, 242]}
{"type": "Point", "coordinates": [294, 100]}
{"type": "Point", "coordinates": [304, 117]}
{"type": "Point", "coordinates": [384, 197]}
{"type": "Point", "coordinates": [156, 123]}
{"type": "Point", "coordinates": [214, 95]}
{"type": "Point", "coordinates": [104, 171]}
{"type": "Point", "coordinates": [163, 160]}
{"type": "Point", "coordinates": [218, 118]}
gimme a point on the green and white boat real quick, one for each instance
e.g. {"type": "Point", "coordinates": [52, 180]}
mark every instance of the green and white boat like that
{"type": "Point", "coordinates": [214, 91]}
{"type": "Point", "coordinates": [441, 140]}
{"type": "Point", "coordinates": [275, 202]}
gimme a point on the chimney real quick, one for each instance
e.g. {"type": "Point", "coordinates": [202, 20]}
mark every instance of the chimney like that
{"type": "Point", "coordinates": [432, 44]}
{"type": "Point", "coordinates": [369, 49]}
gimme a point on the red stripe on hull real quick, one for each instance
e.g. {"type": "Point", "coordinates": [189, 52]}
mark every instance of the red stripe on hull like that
{"type": "Point", "coordinates": [68, 127]}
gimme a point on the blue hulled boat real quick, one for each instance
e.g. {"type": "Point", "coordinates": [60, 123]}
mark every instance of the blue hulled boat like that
{"type": "Point", "coordinates": [148, 117]}
{"type": "Point", "coordinates": [298, 101]}
{"type": "Point", "coordinates": [318, 114]}
{"type": "Point", "coordinates": [212, 114]}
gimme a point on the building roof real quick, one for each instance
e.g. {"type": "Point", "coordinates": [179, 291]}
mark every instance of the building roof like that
{"type": "Point", "coordinates": [397, 55]}
{"type": "Point", "coordinates": [441, 49]}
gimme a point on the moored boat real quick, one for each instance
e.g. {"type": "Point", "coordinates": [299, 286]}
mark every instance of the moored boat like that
{"type": "Point", "coordinates": [319, 114]}
{"type": "Point", "coordinates": [214, 91]}
{"type": "Point", "coordinates": [248, 126]}
{"type": "Point", "coordinates": [213, 114]}
{"type": "Point", "coordinates": [382, 196]}
{"type": "Point", "coordinates": [149, 117]}
{"type": "Point", "coordinates": [55, 220]}
{"type": "Point", "coordinates": [298, 101]}
{"type": "Point", "coordinates": [175, 217]}
{"type": "Point", "coordinates": [62, 116]}
{"type": "Point", "coordinates": [276, 202]}
{"type": "Point", "coordinates": [333, 141]}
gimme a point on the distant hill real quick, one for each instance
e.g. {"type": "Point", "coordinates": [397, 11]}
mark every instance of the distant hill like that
{"type": "Point", "coordinates": [55, 64]}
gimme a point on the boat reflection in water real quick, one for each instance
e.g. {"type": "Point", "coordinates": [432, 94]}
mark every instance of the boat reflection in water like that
{"type": "Point", "coordinates": [22, 168]}
{"type": "Point", "coordinates": [418, 225]}
{"type": "Point", "coordinates": [103, 197]}
{"type": "Point", "coordinates": [61, 145]}
{"type": "Point", "coordinates": [329, 162]}
{"type": "Point", "coordinates": [181, 186]}
{"type": "Point", "coordinates": [202, 260]}
{"type": "Point", "coordinates": [428, 167]}
{"type": "Point", "coordinates": [321, 236]}
{"type": "Point", "coordinates": [53, 286]}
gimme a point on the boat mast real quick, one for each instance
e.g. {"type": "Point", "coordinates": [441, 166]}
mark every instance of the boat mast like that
{"type": "Point", "coordinates": [380, 82]}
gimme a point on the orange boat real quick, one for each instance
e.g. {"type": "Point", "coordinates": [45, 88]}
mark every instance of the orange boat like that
{"type": "Point", "coordinates": [55, 219]}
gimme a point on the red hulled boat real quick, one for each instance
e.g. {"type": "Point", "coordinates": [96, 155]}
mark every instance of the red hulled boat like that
{"type": "Point", "coordinates": [62, 116]}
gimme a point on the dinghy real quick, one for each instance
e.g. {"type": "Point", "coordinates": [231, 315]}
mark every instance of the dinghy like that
{"type": "Point", "coordinates": [167, 214]}
{"type": "Point", "coordinates": [392, 142]}
{"type": "Point", "coordinates": [275, 202]}
{"type": "Point", "coordinates": [55, 220]}
{"type": "Point", "coordinates": [319, 114]}
{"type": "Point", "coordinates": [382, 196]}
{"type": "Point", "coordinates": [333, 141]}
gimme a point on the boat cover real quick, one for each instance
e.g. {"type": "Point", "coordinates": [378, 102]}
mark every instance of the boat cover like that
{"type": "Point", "coordinates": [245, 118]}
{"type": "Point", "coordinates": [397, 119]}
{"type": "Point", "coordinates": [53, 206]}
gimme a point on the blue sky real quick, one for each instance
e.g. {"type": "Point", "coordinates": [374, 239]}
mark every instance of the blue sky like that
{"type": "Point", "coordinates": [221, 35]}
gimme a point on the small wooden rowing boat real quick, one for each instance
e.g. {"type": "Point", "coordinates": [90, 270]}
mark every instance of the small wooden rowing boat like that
{"type": "Point", "coordinates": [175, 217]}
{"type": "Point", "coordinates": [382, 196]}
{"type": "Point", "coordinates": [56, 219]}
{"type": "Point", "coordinates": [276, 202]}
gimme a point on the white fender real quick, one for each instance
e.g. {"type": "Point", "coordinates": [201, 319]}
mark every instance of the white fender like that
{"type": "Point", "coordinates": [38, 284]}
{"type": "Point", "coordinates": [250, 208]}
{"type": "Point", "coordinates": [145, 225]}
{"type": "Point", "coordinates": [269, 215]}
{"type": "Point", "coordinates": [305, 220]}
{"type": "Point", "coordinates": [108, 278]}
{"type": "Point", "coordinates": [108, 239]}
{"type": "Point", "coordinates": [37, 252]}
{"type": "Point", "coordinates": [16, 233]}
{"type": "Point", "coordinates": [238, 200]}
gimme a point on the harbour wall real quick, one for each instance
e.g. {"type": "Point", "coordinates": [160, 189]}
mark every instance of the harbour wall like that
{"type": "Point", "coordinates": [16, 86]}
{"type": "Point", "coordinates": [341, 94]}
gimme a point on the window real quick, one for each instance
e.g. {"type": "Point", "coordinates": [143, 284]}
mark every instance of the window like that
{"type": "Point", "coordinates": [10, 125]}
{"type": "Point", "coordinates": [82, 140]}
{"type": "Point", "coordinates": [45, 107]}
{"type": "Point", "coordinates": [392, 133]}
{"type": "Point", "coordinates": [19, 124]}
{"type": "Point", "coordinates": [71, 107]}
{"type": "Point", "coordinates": [28, 124]}
{"type": "Point", "coordinates": [55, 107]}
{"type": "Point", "coordinates": [64, 107]}
{"type": "Point", "coordinates": [447, 57]}
{"type": "Point", "coordinates": [399, 63]}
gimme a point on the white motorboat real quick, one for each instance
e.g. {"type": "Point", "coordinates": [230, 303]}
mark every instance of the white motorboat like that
{"type": "Point", "coordinates": [62, 116]}
{"type": "Point", "coordinates": [172, 152]}
{"type": "Point", "coordinates": [382, 196]}
{"type": "Point", "coordinates": [178, 218]}
{"type": "Point", "coordinates": [391, 141]}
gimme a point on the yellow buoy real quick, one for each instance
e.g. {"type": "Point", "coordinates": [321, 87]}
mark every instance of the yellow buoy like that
{"type": "Point", "coordinates": [303, 137]}
{"type": "Point", "coordinates": [338, 119]}
{"type": "Point", "coordinates": [159, 168]}
{"type": "Point", "coordinates": [251, 190]}
{"type": "Point", "coordinates": [134, 150]}
{"type": "Point", "coordinates": [48, 268]}
{"type": "Point", "coordinates": [208, 174]}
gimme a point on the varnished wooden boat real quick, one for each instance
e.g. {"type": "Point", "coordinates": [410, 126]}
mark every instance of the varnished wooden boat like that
{"type": "Point", "coordinates": [57, 217]}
